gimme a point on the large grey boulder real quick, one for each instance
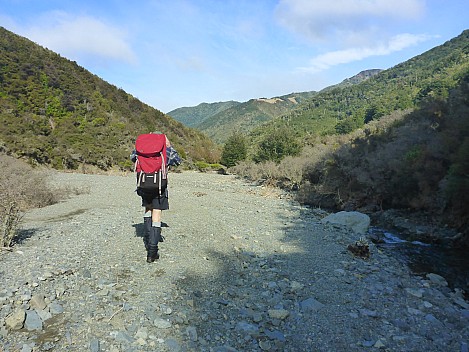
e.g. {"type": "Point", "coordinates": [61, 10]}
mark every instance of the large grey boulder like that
{"type": "Point", "coordinates": [353, 220]}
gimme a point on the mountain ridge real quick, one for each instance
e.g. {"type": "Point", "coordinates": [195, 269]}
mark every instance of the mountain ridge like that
{"type": "Point", "coordinates": [57, 113]}
{"type": "Point", "coordinates": [246, 116]}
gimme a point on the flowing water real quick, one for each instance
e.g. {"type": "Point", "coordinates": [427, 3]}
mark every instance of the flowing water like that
{"type": "Point", "coordinates": [423, 258]}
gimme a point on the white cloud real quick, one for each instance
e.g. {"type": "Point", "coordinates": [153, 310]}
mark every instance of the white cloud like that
{"type": "Point", "coordinates": [318, 20]}
{"type": "Point", "coordinates": [78, 37]}
{"type": "Point", "coordinates": [333, 58]}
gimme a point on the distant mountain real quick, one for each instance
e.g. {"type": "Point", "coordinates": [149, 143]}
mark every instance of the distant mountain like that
{"type": "Point", "coordinates": [55, 112]}
{"type": "Point", "coordinates": [193, 116]}
{"type": "Point", "coordinates": [246, 116]}
{"type": "Point", "coordinates": [220, 120]}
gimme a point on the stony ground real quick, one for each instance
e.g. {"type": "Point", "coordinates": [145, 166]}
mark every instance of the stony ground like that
{"type": "Point", "coordinates": [243, 268]}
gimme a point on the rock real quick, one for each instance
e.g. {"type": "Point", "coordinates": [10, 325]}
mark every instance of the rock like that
{"type": "Point", "coordinates": [379, 344]}
{"type": "Point", "coordinates": [55, 308]}
{"type": "Point", "coordinates": [311, 304]}
{"type": "Point", "coordinates": [437, 279]}
{"type": "Point", "coordinates": [275, 335]}
{"type": "Point", "coordinates": [256, 317]}
{"type": "Point", "coordinates": [122, 336]}
{"type": "Point", "coordinates": [353, 220]}
{"type": "Point", "coordinates": [265, 345]}
{"type": "Point", "coordinates": [162, 323]}
{"type": "Point", "coordinates": [173, 345]}
{"type": "Point", "coordinates": [142, 333]}
{"type": "Point", "coordinates": [431, 318]}
{"type": "Point", "coordinates": [95, 345]}
{"type": "Point", "coordinates": [461, 302]}
{"type": "Point", "coordinates": [247, 327]}
{"type": "Point", "coordinates": [38, 301]}
{"type": "Point", "coordinates": [44, 314]}
{"type": "Point", "coordinates": [191, 332]}
{"type": "Point", "coordinates": [16, 320]}
{"type": "Point", "coordinates": [296, 286]}
{"type": "Point", "coordinates": [415, 292]}
{"type": "Point", "coordinates": [33, 321]}
{"type": "Point", "coordinates": [278, 313]}
{"type": "Point", "coordinates": [427, 304]}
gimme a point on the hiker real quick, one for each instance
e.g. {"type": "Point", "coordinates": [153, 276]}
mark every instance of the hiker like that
{"type": "Point", "coordinates": [151, 170]}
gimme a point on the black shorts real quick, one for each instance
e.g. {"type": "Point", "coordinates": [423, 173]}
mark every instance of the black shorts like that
{"type": "Point", "coordinates": [154, 200]}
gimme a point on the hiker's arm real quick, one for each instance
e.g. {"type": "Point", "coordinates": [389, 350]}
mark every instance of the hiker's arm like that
{"type": "Point", "coordinates": [133, 156]}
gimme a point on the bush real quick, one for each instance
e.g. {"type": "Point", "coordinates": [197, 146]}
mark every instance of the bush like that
{"type": "Point", "coordinates": [10, 218]}
{"type": "Point", "coordinates": [278, 144]}
{"type": "Point", "coordinates": [205, 167]}
{"type": "Point", "coordinates": [22, 188]}
{"type": "Point", "coordinates": [234, 150]}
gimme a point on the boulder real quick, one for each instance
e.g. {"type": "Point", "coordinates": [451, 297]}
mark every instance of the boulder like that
{"type": "Point", "coordinates": [353, 220]}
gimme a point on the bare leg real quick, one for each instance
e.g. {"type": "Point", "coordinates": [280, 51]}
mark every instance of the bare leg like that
{"type": "Point", "coordinates": [156, 216]}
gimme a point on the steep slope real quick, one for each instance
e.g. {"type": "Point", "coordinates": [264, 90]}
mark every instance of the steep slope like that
{"type": "Point", "coordinates": [408, 147]}
{"type": "Point", "coordinates": [345, 108]}
{"type": "Point", "coordinates": [57, 113]}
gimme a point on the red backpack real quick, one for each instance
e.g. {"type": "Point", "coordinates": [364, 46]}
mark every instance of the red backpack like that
{"type": "Point", "coordinates": [151, 159]}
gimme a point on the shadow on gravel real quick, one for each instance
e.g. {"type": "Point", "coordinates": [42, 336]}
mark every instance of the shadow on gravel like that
{"type": "Point", "coordinates": [23, 234]}
{"type": "Point", "coordinates": [242, 307]}
{"type": "Point", "coordinates": [140, 229]}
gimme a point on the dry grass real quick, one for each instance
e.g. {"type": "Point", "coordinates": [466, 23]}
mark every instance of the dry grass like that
{"type": "Point", "coordinates": [22, 188]}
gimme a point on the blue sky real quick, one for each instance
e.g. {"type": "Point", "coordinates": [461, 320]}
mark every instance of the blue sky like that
{"type": "Point", "coordinates": [175, 53]}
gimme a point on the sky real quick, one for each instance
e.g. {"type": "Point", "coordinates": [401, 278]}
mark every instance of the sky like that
{"type": "Point", "coordinates": [180, 53]}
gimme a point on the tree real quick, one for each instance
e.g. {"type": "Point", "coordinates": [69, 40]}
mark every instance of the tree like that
{"type": "Point", "coordinates": [276, 145]}
{"type": "Point", "coordinates": [234, 150]}
{"type": "Point", "coordinates": [373, 112]}
{"type": "Point", "coordinates": [348, 125]}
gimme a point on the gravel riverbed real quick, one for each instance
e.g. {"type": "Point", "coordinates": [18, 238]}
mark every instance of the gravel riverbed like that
{"type": "Point", "coordinates": [242, 268]}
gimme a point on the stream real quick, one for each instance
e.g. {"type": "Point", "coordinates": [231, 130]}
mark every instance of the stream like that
{"type": "Point", "coordinates": [423, 258]}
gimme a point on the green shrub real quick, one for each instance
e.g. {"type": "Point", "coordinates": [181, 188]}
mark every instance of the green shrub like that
{"type": "Point", "coordinates": [204, 166]}
{"type": "Point", "coordinates": [280, 143]}
{"type": "Point", "coordinates": [234, 150]}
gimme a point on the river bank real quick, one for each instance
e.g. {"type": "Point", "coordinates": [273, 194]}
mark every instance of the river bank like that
{"type": "Point", "coordinates": [243, 268]}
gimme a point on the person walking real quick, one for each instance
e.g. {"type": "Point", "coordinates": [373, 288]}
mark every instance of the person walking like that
{"type": "Point", "coordinates": [154, 194]}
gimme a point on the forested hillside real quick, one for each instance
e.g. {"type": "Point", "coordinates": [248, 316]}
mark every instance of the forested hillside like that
{"type": "Point", "coordinates": [244, 117]}
{"type": "Point", "coordinates": [397, 140]}
{"type": "Point", "coordinates": [194, 115]}
{"type": "Point", "coordinates": [220, 120]}
{"type": "Point", "coordinates": [405, 86]}
{"type": "Point", "coordinates": [55, 112]}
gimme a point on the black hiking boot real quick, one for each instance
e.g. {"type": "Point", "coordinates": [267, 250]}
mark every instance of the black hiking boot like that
{"type": "Point", "coordinates": [154, 238]}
